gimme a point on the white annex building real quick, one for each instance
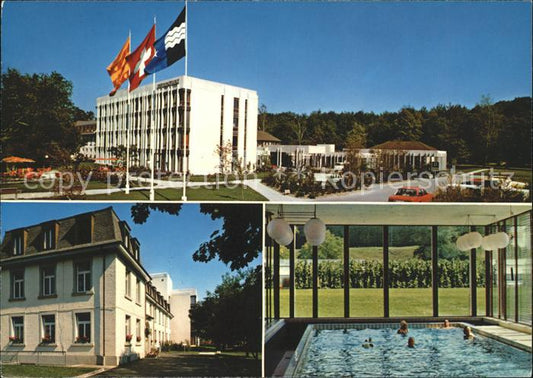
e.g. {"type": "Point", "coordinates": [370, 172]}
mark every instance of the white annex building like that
{"type": "Point", "coordinates": [217, 115]}
{"type": "Point", "coordinates": [180, 301]}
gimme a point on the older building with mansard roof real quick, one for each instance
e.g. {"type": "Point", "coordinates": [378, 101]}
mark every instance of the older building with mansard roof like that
{"type": "Point", "coordinates": [75, 292]}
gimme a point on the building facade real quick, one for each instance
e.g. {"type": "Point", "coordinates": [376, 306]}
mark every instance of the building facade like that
{"type": "Point", "coordinates": [393, 155]}
{"type": "Point", "coordinates": [221, 128]}
{"type": "Point", "coordinates": [180, 301]}
{"type": "Point", "coordinates": [75, 292]}
{"type": "Point", "coordinates": [87, 130]}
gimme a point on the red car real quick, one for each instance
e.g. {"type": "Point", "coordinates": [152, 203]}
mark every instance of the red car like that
{"type": "Point", "coordinates": [411, 194]}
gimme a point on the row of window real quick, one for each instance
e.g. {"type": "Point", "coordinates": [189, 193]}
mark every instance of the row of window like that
{"type": "Point", "coordinates": [48, 329]}
{"type": "Point", "coordinates": [129, 335]}
{"type": "Point", "coordinates": [48, 241]}
{"type": "Point", "coordinates": [47, 282]}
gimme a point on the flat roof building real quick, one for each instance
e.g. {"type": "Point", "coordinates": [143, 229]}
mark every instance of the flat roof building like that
{"type": "Point", "coordinates": [180, 301]}
{"type": "Point", "coordinates": [218, 115]}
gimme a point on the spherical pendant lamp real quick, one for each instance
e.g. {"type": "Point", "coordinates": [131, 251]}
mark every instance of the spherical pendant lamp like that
{"type": "Point", "coordinates": [501, 240]}
{"type": "Point", "coordinates": [474, 239]}
{"type": "Point", "coordinates": [315, 231]}
{"type": "Point", "coordinates": [487, 243]}
{"type": "Point", "coordinates": [286, 238]}
{"type": "Point", "coordinates": [277, 228]}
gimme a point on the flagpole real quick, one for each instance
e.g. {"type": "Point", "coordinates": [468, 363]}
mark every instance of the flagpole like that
{"type": "Point", "coordinates": [184, 160]}
{"type": "Point", "coordinates": [152, 131]}
{"type": "Point", "coordinates": [128, 133]}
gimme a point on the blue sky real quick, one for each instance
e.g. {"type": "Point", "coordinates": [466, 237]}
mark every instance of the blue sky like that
{"type": "Point", "coordinates": [167, 241]}
{"type": "Point", "coordinates": [341, 56]}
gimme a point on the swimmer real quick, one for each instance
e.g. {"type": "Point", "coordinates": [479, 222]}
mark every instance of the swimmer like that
{"type": "Point", "coordinates": [446, 324]}
{"type": "Point", "coordinates": [468, 334]}
{"type": "Point", "coordinates": [403, 328]}
{"type": "Point", "coordinates": [411, 342]}
{"type": "Point", "coordinates": [368, 343]}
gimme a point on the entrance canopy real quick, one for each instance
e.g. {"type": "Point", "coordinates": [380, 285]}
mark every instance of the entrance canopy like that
{"type": "Point", "coordinates": [432, 214]}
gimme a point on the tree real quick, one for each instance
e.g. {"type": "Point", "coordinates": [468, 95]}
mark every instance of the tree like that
{"type": "Point", "coordinates": [236, 244]}
{"type": "Point", "coordinates": [298, 126]}
{"type": "Point", "coordinates": [231, 315]}
{"type": "Point", "coordinates": [225, 152]}
{"type": "Point", "coordinates": [330, 249]}
{"type": "Point", "coordinates": [37, 116]}
{"type": "Point", "coordinates": [263, 114]}
{"type": "Point", "coordinates": [355, 141]}
{"type": "Point", "coordinates": [408, 125]}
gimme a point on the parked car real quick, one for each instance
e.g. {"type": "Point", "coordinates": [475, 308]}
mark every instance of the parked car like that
{"type": "Point", "coordinates": [411, 194]}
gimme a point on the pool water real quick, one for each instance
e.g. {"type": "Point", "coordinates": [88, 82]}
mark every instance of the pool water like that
{"type": "Point", "coordinates": [437, 352]}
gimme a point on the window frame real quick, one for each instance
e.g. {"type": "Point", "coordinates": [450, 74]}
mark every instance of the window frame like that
{"type": "Point", "coordinates": [85, 324]}
{"type": "Point", "coordinates": [48, 238]}
{"type": "Point", "coordinates": [48, 280]}
{"type": "Point", "coordinates": [15, 281]}
{"type": "Point", "coordinates": [86, 274]}
{"type": "Point", "coordinates": [17, 330]}
{"type": "Point", "coordinates": [127, 288]}
{"type": "Point", "coordinates": [127, 325]}
{"type": "Point", "coordinates": [44, 325]}
{"type": "Point", "coordinates": [138, 291]}
{"type": "Point", "coordinates": [18, 248]}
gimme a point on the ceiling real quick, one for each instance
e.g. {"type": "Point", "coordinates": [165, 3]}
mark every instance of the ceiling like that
{"type": "Point", "coordinates": [431, 214]}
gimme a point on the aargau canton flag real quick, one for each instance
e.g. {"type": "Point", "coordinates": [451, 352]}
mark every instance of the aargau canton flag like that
{"type": "Point", "coordinates": [170, 47]}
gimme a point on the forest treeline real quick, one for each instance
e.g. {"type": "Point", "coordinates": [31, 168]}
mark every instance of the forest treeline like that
{"type": "Point", "coordinates": [488, 133]}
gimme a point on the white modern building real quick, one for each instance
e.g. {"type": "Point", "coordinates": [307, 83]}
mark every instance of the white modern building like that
{"type": "Point", "coordinates": [74, 291]}
{"type": "Point", "coordinates": [221, 126]}
{"type": "Point", "coordinates": [180, 301]}
{"type": "Point", "coordinates": [393, 155]}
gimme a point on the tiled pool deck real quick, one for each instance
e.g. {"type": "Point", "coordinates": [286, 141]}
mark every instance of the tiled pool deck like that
{"type": "Point", "coordinates": [517, 339]}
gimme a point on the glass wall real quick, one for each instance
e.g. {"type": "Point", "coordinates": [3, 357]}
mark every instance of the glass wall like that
{"type": "Point", "coordinates": [495, 279]}
{"type": "Point", "coordinates": [410, 271]}
{"type": "Point", "coordinates": [269, 297]}
{"type": "Point", "coordinates": [330, 272]}
{"type": "Point", "coordinates": [510, 272]}
{"type": "Point", "coordinates": [284, 270]}
{"type": "Point", "coordinates": [366, 271]}
{"type": "Point", "coordinates": [506, 273]}
{"type": "Point", "coordinates": [453, 265]}
{"type": "Point", "coordinates": [481, 277]}
{"type": "Point", "coordinates": [523, 240]}
{"type": "Point", "coordinates": [303, 280]}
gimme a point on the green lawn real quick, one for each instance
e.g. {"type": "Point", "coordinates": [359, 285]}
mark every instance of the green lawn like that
{"type": "Point", "coordinates": [519, 174]}
{"type": "Point", "coordinates": [42, 371]}
{"type": "Point", "coordinates": [193, 194]}
{"type": "Point", "coordinates": [369, 302]}
{"type": "Point", "coordinates": [376, 253]}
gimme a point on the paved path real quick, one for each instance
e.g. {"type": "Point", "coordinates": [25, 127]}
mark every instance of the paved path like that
{"type": "Point", "coordinates": [177, 364]}
{"type": "Point", "coordinates": [271, 194]}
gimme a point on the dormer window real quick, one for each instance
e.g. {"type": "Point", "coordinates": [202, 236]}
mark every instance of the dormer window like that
{"type": "Point", "coordinates": [17, 245]}
{"type": "Point", "coordinates": [49, 238]}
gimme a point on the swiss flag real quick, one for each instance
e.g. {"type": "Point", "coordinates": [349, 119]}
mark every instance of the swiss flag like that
{"type": "Point", "coordinates": [140, 58]}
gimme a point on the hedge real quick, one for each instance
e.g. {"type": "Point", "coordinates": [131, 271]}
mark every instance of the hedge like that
{"type": "Point", "coordinates": [402, 274]}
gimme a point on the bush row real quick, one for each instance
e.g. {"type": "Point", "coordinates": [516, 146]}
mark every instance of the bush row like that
{"type": "Point", "coordinates": [402, 274]}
